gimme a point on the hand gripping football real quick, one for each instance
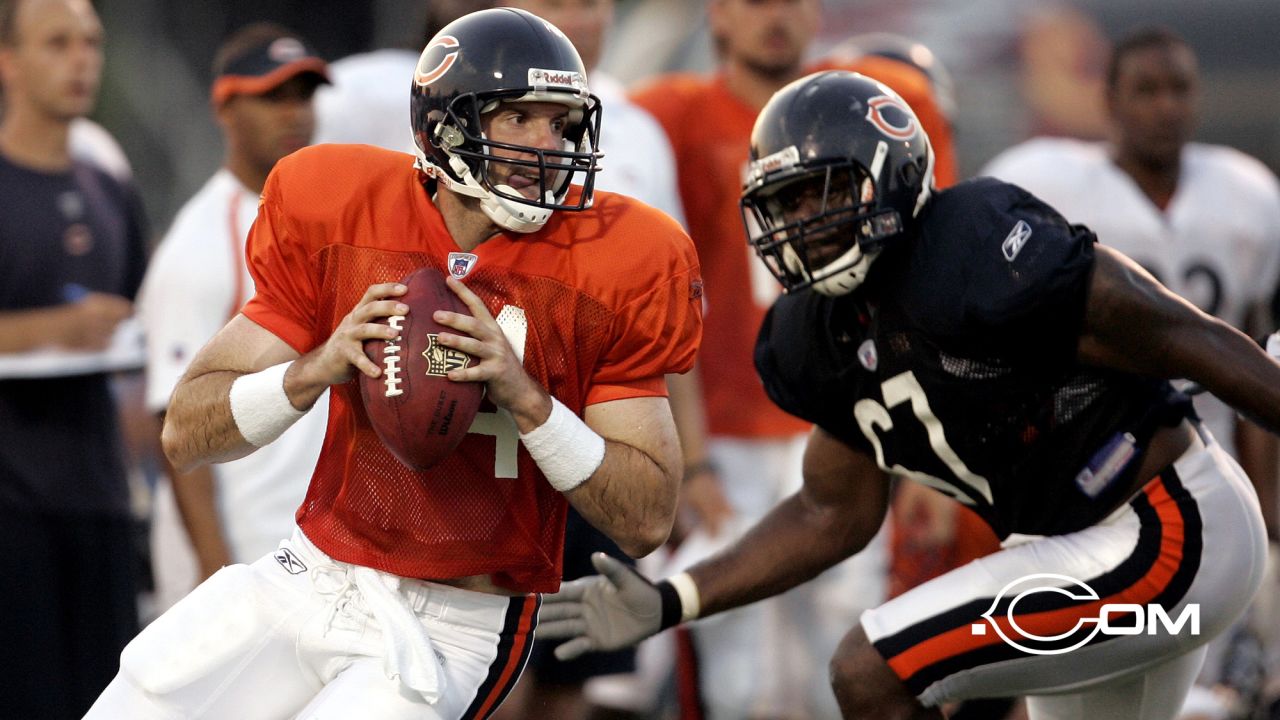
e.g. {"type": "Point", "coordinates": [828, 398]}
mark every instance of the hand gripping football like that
{"type": "Point", "coordinates": [419, 413]}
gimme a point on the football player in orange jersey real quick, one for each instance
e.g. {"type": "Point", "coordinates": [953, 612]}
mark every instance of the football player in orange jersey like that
{"type": "Point", "coordinates": [639, 164]}
{"type": "Point", "coordinates": [414, 594]}
{"type": "Point", "coordinates": [750, 457]}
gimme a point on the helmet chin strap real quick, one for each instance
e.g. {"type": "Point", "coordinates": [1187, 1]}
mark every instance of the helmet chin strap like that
{"type": "Point", "coordinates": [514, 216]}
{"type": "Point", "coordinates": [507, 214]}
{"type": "Point", "coordinates": [850, 270]}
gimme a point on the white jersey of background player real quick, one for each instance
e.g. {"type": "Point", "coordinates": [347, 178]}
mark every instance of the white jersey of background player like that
{"type": "Point", "coordinates": [197, 281]}
{"type": "Point", "coordinates": [1217, 244]}
{"type": "Point", "coordinates": [93, 143]}
{"type": "Point", "coordinates": [1204, 219]}
{"type": "Point", "coordinates": [367, 101]}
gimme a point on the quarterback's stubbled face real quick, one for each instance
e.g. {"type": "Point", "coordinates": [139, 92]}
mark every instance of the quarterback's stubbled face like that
{"type": "Point", "coordinates": [534, 125]}
{"type": "Point", "coordinates": [1153, 102]}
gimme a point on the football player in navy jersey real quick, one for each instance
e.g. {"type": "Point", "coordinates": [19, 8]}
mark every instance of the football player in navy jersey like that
{"type": "Point", "coordinates": [974, 341]}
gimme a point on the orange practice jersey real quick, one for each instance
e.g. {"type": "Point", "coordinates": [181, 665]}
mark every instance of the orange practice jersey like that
{"type": "Point", "coordinates": [601, 304]}
{"type": "Point", "coordinates": [710, 132]}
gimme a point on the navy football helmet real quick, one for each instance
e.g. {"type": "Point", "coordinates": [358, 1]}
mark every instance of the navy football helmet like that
{"type": "Point", "coordinates": [840, 168]}
{"type": "Point", "coordinates": [471, 66]}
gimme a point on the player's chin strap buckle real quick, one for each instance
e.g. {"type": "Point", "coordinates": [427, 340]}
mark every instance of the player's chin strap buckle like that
{"type": "Point", "coordinates": [1273, 345]}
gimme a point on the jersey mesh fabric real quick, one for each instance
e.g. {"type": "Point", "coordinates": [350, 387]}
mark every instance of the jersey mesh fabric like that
{"type": "Point", "coordinates": [609, 304]}
{"type": "Point", "coordinates": [473, 522]}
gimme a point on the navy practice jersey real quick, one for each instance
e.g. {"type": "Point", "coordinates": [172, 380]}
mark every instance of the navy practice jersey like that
{"type": "Point", "coordinates": [955, 365]}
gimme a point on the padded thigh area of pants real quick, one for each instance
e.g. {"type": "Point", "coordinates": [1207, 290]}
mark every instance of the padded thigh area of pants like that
{"type": "Point", "coordinates": [228, 633]}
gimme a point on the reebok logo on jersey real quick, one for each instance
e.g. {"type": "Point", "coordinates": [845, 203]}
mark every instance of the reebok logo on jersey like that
{"type": "Point", "coordinates": [1018, 237]}
{"type": "Point", "coordinates": [289, 561]}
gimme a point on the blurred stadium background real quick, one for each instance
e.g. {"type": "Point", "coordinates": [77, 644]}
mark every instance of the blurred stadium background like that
{"type": "Point", "coordinates": [1021, 67]}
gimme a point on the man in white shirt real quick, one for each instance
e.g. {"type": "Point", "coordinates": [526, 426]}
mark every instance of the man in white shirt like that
{"type": "Point", "coordinates": [1204, 219]}
{"type": "Point", "coordinates": [265, 78]}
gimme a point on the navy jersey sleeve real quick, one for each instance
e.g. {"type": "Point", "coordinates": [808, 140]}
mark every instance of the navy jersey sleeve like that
{"type": "Point", "coordinates": [803, 369]}
{"type": "Point", "coordinates": [999, 271]}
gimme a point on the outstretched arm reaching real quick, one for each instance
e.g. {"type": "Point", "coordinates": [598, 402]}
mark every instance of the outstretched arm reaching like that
{"type": "Point", "coordinates": [834, 515]}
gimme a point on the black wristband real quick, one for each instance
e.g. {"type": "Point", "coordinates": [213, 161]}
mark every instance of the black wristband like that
{"type": "Point", "coordinates": [672, 609]}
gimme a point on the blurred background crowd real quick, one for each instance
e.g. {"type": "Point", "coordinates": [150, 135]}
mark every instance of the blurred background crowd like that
{"type": "Point", "coordinates": [1019, 68]}
{"type": "Point", "coordinates": [994, 73]}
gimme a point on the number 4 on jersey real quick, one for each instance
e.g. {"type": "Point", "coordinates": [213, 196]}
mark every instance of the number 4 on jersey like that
{"type": "Point", "coordinates": [500, 424]}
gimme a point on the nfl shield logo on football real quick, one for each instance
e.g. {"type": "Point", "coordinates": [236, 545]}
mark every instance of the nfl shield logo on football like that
{"type": "Point", "coordinates": [460, 264]}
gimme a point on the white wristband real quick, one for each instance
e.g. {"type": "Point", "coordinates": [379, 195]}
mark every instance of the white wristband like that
{"type": "Point", "coordinates": [566, 450]}
{"type": "Point", "coordinates": [690, 600]}
{"type": "Point", "coordinates": [260, 407]}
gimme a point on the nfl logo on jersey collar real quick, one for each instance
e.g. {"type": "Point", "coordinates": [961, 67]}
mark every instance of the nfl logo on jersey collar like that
{"type": "Point", "coordinates": [867, 355]}
{"type": "Point", "coordinates": [460, 264]}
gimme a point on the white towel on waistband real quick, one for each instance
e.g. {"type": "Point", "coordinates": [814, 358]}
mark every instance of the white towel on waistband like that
{"type": "Point", "coordinates": [410, 655]}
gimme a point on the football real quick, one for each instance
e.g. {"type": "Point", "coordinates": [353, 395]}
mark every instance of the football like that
{"type": "Point", "coordinates": [419, 413]}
